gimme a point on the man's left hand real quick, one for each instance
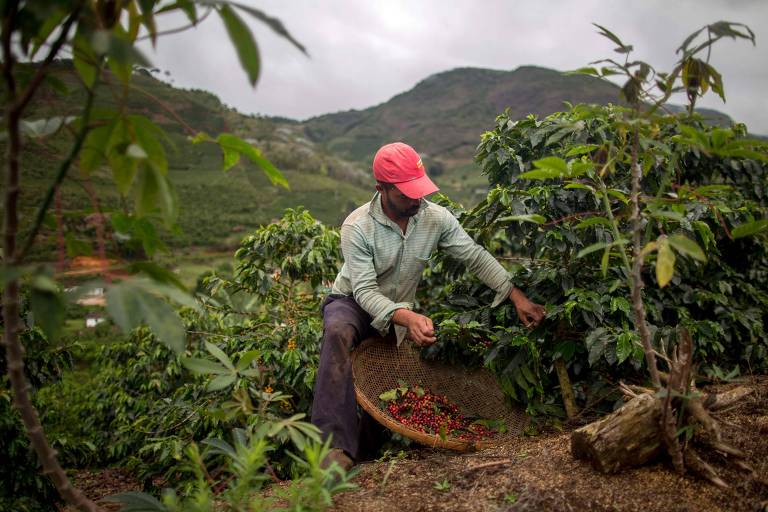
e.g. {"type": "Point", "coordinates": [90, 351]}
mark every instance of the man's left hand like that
{"type": "Point", "coordinates": [530, 313]}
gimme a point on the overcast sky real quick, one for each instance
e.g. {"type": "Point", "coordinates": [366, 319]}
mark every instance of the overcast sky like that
{"type": "Point", "coordinates": [364, 52]}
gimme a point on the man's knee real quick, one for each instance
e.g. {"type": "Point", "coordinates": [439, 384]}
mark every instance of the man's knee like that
{"type": "Point", "coordinates": [340, 334]}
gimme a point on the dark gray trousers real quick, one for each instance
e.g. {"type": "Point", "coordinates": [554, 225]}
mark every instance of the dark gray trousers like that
{"type": "Point", "coordinates": [334, 408]}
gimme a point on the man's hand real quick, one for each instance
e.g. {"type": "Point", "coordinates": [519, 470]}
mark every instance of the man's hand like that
{"type": "Point", "coordinates": [420, 328]}
{"type": "Point", "coordinates": [531, 314]}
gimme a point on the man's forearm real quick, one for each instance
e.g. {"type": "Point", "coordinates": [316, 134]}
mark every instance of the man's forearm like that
{"type": "Point", "coordinates": [517, 295]}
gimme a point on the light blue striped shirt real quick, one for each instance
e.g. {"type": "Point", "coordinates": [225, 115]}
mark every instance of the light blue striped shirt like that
{"type": "Point", "coordinates": [383, 266]}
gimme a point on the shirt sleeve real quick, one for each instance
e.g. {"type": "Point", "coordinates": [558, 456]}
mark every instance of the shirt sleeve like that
{"type": "Point", "coordinates": [458, 244]}
{"type": "Point", "coordinates": [358, 256]}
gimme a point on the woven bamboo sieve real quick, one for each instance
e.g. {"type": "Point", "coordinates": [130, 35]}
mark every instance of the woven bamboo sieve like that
{"type": "Point", "coordinates": [378, 364]}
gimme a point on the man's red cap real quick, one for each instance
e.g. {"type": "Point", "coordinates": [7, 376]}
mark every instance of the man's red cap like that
{"type": "Point", "coordinates": [399, 164]}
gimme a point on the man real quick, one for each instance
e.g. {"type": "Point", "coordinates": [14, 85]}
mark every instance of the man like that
{"type": "Point", "coordinates": [386, 244]}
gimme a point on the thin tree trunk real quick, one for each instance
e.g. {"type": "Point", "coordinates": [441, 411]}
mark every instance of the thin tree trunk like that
{"type": "Point", "coordinates": [14, 351]}
{"type": "Point", "coordinates": [61, 263]}
{"type": "Point", "coordinates": [637, 266]}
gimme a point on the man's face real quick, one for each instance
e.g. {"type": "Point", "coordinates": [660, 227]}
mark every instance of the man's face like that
{"type": "Point", "coordinates": [398, 203]}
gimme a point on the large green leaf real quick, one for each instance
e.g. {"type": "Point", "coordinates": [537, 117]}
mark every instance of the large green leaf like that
{"type": "Point", "coordinates": [47, 306]}
{"type": "Point", "coordinates": [593, 221]}
{"type": "Point", "coordinates": [122, 55]}
{"type": "Point", "coordinates": [547, 168]}
{"type": "Point", "coordinates": [749, 228]}
{"type": "Point", "coordinates": [665, 263]}
{"type": "Point", "coordinates": [204, 366]}
{"type": "Point", "coordinates": [153, 192]}
{"type": "Point", "coordinates": [149, 136]}
{"type": "Point", "coordinates": [231, 145]}
{"type": "Point", "coordinates": [244, 43]}
{"type": "Point", "coordinates": [685, 245]}
{"type": "Point", "coordinates": [157, 273]}
{"type": "Point", "coordinates": [274, 23]}
{"type": "Point", "coordinates": [247, 358]}
{"type": "Point", "coordinates": [624, 346]}
{"type": "Point", "coordinates": [220, 355]}
{"type": "Point", "coordinates": [221, 382]}
{"type": "Point", "coordinates": [231, 158]}
{"type": "Point", "coordinates": [596, 342]}
{"type": "Point", "coordinates": [600, 245]}
{"type": "Point", "coordinates": [85, 60]}
{"type": "Point", "coordinates": [130, 306]}
{"type": "Point", "coordinates": [535, 219]}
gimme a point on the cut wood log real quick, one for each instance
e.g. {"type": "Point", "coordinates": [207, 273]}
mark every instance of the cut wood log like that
{"type": "Point", "coordinates": [632, 436]}
{"type": "Point", "coordinates": [628, 437]}
{"type": "Point", "coordinates": [726, 398]}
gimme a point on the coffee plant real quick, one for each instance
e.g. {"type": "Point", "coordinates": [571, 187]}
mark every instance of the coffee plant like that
{"type": "Point", "coordinates": [250, 360]}
{"type": "Point", "coordinates": [559, 212]}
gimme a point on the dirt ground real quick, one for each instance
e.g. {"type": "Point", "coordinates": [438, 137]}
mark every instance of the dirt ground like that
{"type": "Point", "coordinates": [540, 474]}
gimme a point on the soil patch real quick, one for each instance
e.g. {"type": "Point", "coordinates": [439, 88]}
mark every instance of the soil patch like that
{"type": "Point", "coordinates": [542, 475]}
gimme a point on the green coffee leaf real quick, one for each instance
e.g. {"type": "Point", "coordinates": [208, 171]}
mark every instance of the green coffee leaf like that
{"type": "Point", "coordinates": [130, 306]}
{"type": "Point", "coordinates": [247, 358]}
{"type": "Point", "coordinates": [536, 219]}
{"type": "Point", "coordinates": [624, 346]}
{"type": "Point", "coordinates": [273, 23]}
{"type": "Point", "coordinates": [231, 145]}
{"type": "Point", "coordinates": [221, 382]}
{"type": "Point", "coordinates": [48, 306]}
{"type": "Point", "coordinates": [600, 245]}
{"type": "Point", "coordinates": [204, 366]}
{"type": "Point", "coordinates": [749, 228]}
{"type": "Point", "coordinates": [593, 221]}
{"type": "Point", "coordinates": [665, 263]}
{"type": "Point", "coordinates": [220, 355]}
{"type": "Point", "coordinates": [685, 245]}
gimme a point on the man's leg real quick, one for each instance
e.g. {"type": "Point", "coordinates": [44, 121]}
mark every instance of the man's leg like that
{"type": "Point", "coordinates": [334, 408]}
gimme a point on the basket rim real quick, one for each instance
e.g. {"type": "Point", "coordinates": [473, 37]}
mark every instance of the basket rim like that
{"type": "Point", "coordinates": [430, 440]}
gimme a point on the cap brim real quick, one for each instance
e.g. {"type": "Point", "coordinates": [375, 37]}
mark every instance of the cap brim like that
{"type": "Point", "coordinates": [418, 188]}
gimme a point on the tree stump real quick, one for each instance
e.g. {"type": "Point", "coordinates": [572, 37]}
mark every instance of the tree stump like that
{"type": "Point", "coordinates": [631, 436]}
{"type": "Point", "coordinates": [628, 437]}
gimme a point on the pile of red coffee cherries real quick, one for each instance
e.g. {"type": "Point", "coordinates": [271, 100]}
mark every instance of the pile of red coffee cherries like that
{"type": "Point", "coordinates": [432, 413]}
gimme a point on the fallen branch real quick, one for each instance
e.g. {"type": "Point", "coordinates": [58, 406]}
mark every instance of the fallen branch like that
{"type": "Point", "coordinates": [698, 466]}
{"type": "Point", "coordinates": [719, 401]}
{"type": "Point", "coordinates": [487, 465]}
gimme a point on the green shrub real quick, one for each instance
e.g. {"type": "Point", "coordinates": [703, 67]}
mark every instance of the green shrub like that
{"type": "Point", "coordinates": [541, 227]}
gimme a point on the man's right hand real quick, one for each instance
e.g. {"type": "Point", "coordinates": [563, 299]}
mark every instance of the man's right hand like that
{"type": "Point", "coordinates": [420, 328]}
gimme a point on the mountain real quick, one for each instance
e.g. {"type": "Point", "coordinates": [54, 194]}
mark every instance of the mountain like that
{"type": "Point", "coordinates": [444, 115]}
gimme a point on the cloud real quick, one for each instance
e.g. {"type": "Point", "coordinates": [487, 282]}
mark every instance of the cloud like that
{"type": "Point", "coordinates": [363, 53]}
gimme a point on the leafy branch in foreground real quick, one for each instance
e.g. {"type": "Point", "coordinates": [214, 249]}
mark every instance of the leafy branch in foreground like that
{"type": "Point", "coordinates": [241, 472]}
{"type": "Point", "coordinates": [99, 35]}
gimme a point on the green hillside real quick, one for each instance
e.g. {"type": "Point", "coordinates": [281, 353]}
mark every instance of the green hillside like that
{"type": "Point", "coordinates": [217, 208]}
